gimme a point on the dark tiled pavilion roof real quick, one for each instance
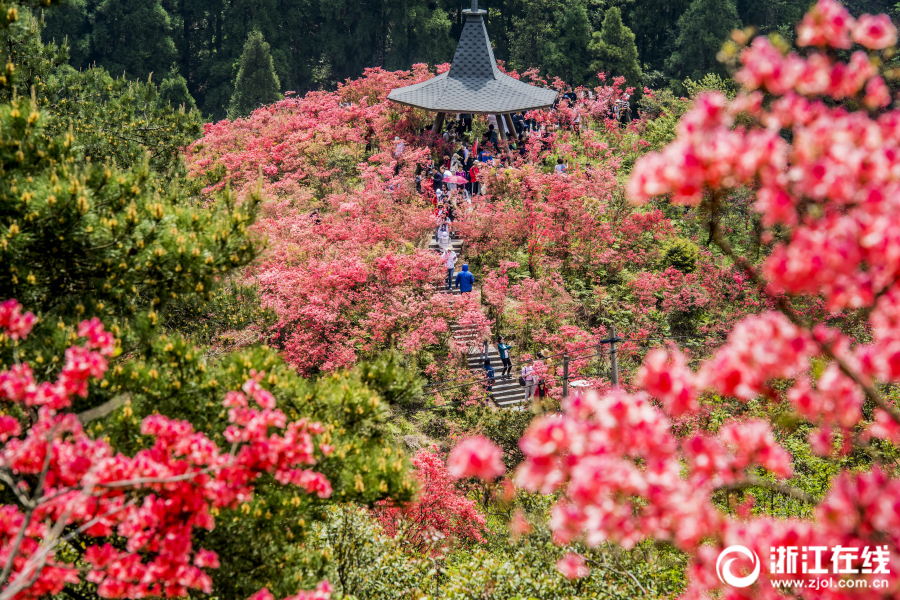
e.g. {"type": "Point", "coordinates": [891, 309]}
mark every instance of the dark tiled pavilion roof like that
{"type": "Point", "coordinates": [474, 84]}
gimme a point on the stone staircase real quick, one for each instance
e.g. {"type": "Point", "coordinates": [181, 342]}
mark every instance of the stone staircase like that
{"type": "Point", "coordinates": [457, 244]}
{"type": "Point", "coordinates": [507, 393]}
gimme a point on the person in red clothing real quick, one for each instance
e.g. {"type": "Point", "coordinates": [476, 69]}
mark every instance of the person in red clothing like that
{"type": "Point", "coordinates": [473, 177]}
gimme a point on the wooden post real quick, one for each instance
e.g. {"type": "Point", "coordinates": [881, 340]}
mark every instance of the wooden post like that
{"type": "Point", "coordinates": [614, 376]}
{"type": "Point", "coordinates": [438, 124]}
{"type": "Point", "coordinates": [500, 126]}
{"type": "Point", "coordinates": [566, 376]}
{"type": "Point", "coordinates": [510, 125]}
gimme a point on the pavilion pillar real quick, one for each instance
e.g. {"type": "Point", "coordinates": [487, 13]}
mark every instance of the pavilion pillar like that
{"type": "Point", "coordinates": [438, 124]}
{"type": "Point", "coordinates": [510, 125]}
{"type": "Point", "coordinates": [501, 127]}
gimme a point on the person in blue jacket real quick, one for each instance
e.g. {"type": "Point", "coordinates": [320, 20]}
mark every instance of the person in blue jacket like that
{"type": "Point", "coordinates": [465, 279]}
{"type": "Point", "coordinates": [489, 376]}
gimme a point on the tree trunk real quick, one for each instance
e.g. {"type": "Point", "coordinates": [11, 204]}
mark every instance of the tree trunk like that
{"type": "Point", "coordinates": [186, 40]}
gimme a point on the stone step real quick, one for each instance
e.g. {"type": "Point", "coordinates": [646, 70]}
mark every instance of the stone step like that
{"type": "Point", "coordinates": [513, 405]}
{"type": "Point", "coordinates": [507, 384]}
{"type": "Point", "coordinates": [476, 362]}
{"type": "Point", "coordinates": [507, 396]}
{"type": "Point", "coordinates": [467, 331]}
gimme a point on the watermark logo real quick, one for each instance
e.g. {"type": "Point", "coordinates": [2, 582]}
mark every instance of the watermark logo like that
{"type": "Point", "coordinates": [796, 567]}
{"type": "Point", "coordinates": [723, 567]}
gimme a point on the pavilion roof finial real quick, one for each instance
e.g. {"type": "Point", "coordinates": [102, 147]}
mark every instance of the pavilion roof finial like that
{"type": "Point", "coordinates": [474, 83]}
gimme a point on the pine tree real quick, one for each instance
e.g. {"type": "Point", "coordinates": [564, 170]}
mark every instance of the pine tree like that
{"type": "Point", "coordinates": [702, 30]}
{"type": "Point", "coordinates": [257, 83]}
{"type": "Point", "coordinates": [553, 36]}
{"type": "Point", "coordinates": [132, 37]}
{"type": "Point", "coordinates": [614, 50]}
{"type": "Point", "coordinates": [571, 58]}
{"type": "Point", "coordinates": [173, 91]}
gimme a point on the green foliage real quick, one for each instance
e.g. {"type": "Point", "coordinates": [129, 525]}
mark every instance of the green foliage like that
{"type": "Point", "coordinates": [552, 35]}
{"type": "Point", "coordinates": [614, 50]}
{"type": "Point", "coordinates": [258, 541]}
{"type": "Point", "coordinates": [69, 25]}
{"type": "Point", "coordinates": [174, 92]}
{"type": "Point", "coordinates": [231, 317]}
{"type": "Point", "coordinates": [504, 428]}
{"type": "Point", "coordinates": [654, 23]}
{"type": "Point", "coordinates": [255, 541]}
{"type": "Point", "coordinates": [316, 45]}
{"type": "Point", "coordinates": [702, 30]}
{"type": "Point", "coordinates": [681, 254]}
{"type": "Point", "coordinates": [118, 120]}
{"type": "Point", "coordinates": [132, 38]}
{"type": "Point", "coordinates": [256, 84]}
{"type": "Point", "coordinates": [397, 385]}
{"type": "Point", "coordinates": [82, 240]}
{"type": "Point", "coordinates": [110, 119]}
{"type": "Point", "coordinates": [30, 62]}
{"type": "Point", "coordinates": [711, 82]}
{"type": "Point", "coordinates": [660, 114]}
{"type": "Point", "coordinates": [351, 551]}
{"type": "Point", "coordinates": [525, 569]}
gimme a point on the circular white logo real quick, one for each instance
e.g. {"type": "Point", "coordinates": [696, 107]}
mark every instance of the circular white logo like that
{"type": "Point", "coordinates": [723, 567]}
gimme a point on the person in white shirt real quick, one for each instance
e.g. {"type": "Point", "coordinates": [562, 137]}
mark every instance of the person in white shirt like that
{"type": "Point", "coordinates": [560, 167]}
{"type": "Point", "coordinates": [400, 146]}
{"type": "Point", "coordinates": [449, 257]}
{"type": "Point", "coordinates": [528, 376]}
{"type": "Point", "coordinates": [465, 153]}
{"type": "Point", "coordinates": [443, 237]}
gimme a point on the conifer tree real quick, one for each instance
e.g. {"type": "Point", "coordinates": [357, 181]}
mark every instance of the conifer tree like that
{"type": "Point", "coordinates": [553, 36]}
{"type": "Point", "coordinates": [257, 83]}
{"type": "Point", "coordinates": [571, 59]}
{"type": "Point", "coordinates": [614, 51]}
{"type": "Point", "coordinates": [132, 37]}
{"type": "Point", "coordinates": [702, 30]}
{"type": "Point", "coordinates": [173, 91]}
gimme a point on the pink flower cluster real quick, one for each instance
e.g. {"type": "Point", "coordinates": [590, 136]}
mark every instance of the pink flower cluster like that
{"type": "Point", "coordinates": [82, 364]}
{"type": "Point", "coordinates": [476, 457]}
{"type": "Point", "coordinates": [185, 478]}
{"type": "Point", "coordinates": [766, 68]}
{"type": "Point", "coordinates": [828, 24]}
{"type": "Point", "coordinates": [322, 592]}
{"type": "Point", "coordinates": [593, 450]}
{"type": "Point", "coordinates": [708, 153]}
{"type": "Point", "coordinates": [15, 324]}
{"type": "Point", "coordinates": [619, 471]}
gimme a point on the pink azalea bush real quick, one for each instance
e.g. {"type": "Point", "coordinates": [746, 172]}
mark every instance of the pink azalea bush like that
{"type": "Point", "coordinates": [440, 513]}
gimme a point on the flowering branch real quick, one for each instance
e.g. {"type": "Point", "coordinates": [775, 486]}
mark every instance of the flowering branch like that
{"type": "Point", "coordinates": [792, 315]}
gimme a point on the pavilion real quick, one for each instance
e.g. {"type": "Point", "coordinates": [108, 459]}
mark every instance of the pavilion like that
{"type": "Point", "coordinates": [474, 84]}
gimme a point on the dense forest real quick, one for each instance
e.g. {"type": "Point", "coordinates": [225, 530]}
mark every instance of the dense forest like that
{"type": "Point", "coordinates": [316, 44]}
